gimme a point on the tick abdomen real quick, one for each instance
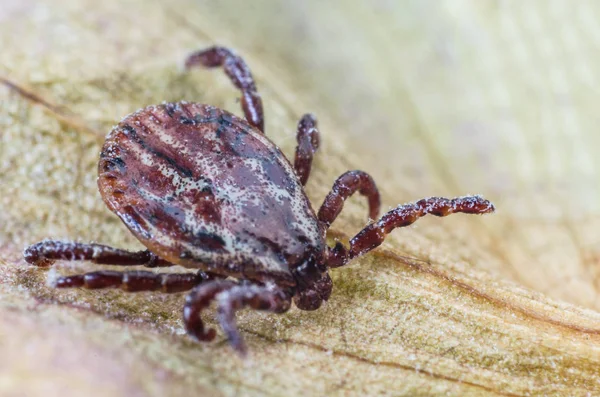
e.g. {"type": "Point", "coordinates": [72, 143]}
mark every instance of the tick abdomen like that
{"type": "Point", "coordinates": [202, 188]}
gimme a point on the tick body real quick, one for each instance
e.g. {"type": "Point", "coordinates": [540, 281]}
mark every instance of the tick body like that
{"type": "Point", "coordinates": [202, 188]}
{"type": "Point", "coordinates": [207, 190]}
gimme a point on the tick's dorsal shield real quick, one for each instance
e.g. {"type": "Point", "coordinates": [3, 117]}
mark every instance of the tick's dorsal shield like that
{"type": "Point", "coordinates": [203, 189]}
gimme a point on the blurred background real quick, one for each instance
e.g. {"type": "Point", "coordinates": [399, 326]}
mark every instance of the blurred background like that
{"type": "Point", "coordinates": [430, 97]}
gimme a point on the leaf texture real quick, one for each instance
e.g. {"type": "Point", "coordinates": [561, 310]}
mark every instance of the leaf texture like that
{"type": "Point", "coordinates": [431, 98]}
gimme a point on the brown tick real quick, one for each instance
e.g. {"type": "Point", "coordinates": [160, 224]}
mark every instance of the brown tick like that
{"type": "Point", "coordinates": [207, 190]}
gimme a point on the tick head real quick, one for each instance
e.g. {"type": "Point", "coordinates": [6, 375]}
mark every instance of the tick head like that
{"type": "Point", "coordinates": [313, 284]}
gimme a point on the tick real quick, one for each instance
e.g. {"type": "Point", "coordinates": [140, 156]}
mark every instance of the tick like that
{"type": "Point", "coordinates": [207, 190]}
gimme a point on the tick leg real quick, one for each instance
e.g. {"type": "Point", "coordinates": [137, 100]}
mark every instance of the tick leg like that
{"type": "Point", "coordinates": [257, 297]}
{"type": "Point", "coordinates": [308, 143]}
{"type": "Point", "coordinates": [196, 301]}
{"type": "Point", "coordinates": [373, 235]}
{"type": "Point", "coordinates": [134, 281]}
{"type": "Point", "coordinates": [344, 187]}
{"type": "Point", "coordinates": [231, 297]}
{"type": "Point", "coordinates": [240, 76]}
{"type": "Point", "coordinates": [46, 252]}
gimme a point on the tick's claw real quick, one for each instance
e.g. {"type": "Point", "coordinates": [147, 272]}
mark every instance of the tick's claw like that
{"type": "Point", "coordinates": [236, 341]}
{"type": "Point", "coordinates": [69, 282]}
{"type": "Point", "coordinates": [240, 348]}
{"type": "Point", "coordinates": [32, 256]}
{"type": "Point", "coordinates": [198, 332]}
{"type": "Point", "coordinates": [208, 335]}
{"type": "Point", "coordinates": [202, 335]}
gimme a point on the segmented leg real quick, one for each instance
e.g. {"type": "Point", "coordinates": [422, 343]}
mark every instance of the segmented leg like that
{"type": "Point", "coordinates": [240, 76]}
{"type": "Point", "coordinates": [257, 297]}
{"type": "Point", "coordinates": [308, 143]}
{"type": "Point", "coordinates": [46, 252]}
{"type": "Point", "coordinates": [196, 301]}
{"type": "Point", "coordinates": [344, 187]}
{"type": "Point", "coordinates": [135, 281]}
{"type": "Point", "coordinates": [373, 235]}
{"type": "Point", "coordinates": [230, 297]}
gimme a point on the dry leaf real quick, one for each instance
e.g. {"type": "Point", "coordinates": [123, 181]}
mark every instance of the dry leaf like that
{"type": "Point", "coordinates": [431, 98]}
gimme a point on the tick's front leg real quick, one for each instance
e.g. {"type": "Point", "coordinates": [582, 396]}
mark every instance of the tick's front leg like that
{"type": "Point", "coordinates": [46, 252]}
{"type": "Point", "coordinates": [374, 234]}
{"type": "Point", "coordinates": [240, 76]}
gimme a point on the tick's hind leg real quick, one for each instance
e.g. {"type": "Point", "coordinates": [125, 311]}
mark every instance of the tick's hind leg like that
{"type": "Point", "coordinates": [240, 75]}
{"type": "Point", "coordinates": [134, 281]}
{"type": "Point", "coordinates": [308, 143]}
{"type": "Point", "coordinates": [231, 296]}
{"type": "Point", "coordinates": [46, 252]}
{"type": "Point", "coordinates": [373, 235]}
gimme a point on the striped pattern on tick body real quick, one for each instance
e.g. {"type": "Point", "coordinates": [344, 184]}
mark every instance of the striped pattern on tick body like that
{"type": "Point", "coordinates": [202, 188]}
